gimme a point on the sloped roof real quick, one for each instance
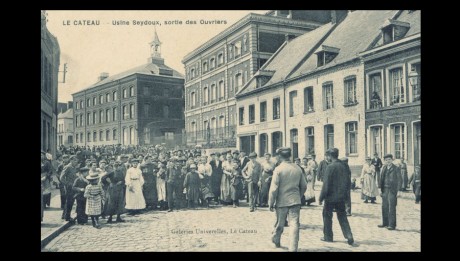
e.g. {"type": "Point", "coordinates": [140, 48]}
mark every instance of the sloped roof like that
{"type": "Point", "coordinates": [414, 19]}
{"type": "Point", "coordinates": [66, 115]}
{"type": "Point", "coordinates": [290, 55]}
{"type": "Point", "coordinates": [146, 69]}
{"type": "Point", "coordinates": [352, 36]}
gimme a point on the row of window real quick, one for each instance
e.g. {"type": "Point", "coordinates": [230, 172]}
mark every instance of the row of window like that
{"type": "Point", "coordinates": [46, 75]}
{"type": "Point", "coordinates": [234, 51]}
{"type": "Point", "coordinates": [216, 92]}
{"type": "Point", "coordinates": [129, 136]}
{"type": "Point", "coordinates": [61, 127]}
{"type": "Point", "coordinates": [110, 115]}
{"type": "Point", "coordinates": [263, 112]}
{"type": "Point", "coordinates": [104, 98]}
{"type": "Point", "coordinates": [400, 87]}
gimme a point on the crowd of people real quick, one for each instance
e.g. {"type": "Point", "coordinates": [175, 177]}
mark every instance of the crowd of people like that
{"type": "Point", "coordinates": [108, 181]}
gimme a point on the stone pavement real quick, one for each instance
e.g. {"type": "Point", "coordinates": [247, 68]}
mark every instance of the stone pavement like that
{"type": "Point", "coordinates": [224, 228]}
{"type": "Point", "coordinates": [52, 224]}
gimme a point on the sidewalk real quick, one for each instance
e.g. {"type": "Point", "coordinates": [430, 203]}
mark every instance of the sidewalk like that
{"type": "Point", "coordinates": [52, 224]}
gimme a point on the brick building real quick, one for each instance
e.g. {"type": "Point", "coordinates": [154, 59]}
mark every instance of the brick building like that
{"type": "Point", "coordinates": [392, 66]}
{"type": "Point", "coordinates": [49, 65]}
{"type": "Point", "coordinates": [316, 85]}
{"type": "Point", "coordinates": [144, 105]}
{"type": "Point", "coordinates": [219, 68]}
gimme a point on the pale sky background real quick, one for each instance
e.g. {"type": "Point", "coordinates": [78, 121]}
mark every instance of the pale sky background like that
{"type": "Point", "coordinates": [89, 50]}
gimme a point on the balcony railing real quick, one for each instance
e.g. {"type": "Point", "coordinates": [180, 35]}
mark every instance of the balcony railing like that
{"type": "Point", "coordinates": [213, 138]}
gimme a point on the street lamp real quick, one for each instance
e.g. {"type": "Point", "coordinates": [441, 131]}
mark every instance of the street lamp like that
{"type": "Point", "coordinates": [414, 82]}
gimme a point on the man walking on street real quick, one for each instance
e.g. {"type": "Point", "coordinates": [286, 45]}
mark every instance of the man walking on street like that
{"type": "Point", "coordinates": [252, 175]}
{"type": "Point", "coordinates": [68, 176]}
{"type": "Point", "coordinates": [390, 183]}
{"type": "Point", "coordinates": [314, 166]}
{"type": "Point", "coordinates": [334, 193]}
{"type": "Point", "coordinates": [288, 184]}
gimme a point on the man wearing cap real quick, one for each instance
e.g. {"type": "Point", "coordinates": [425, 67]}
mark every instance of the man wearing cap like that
{"type": "Point", "coordinates": [173, 190]}
{"type": "Point", "coordinates": [68, 176]}
{"type": "Point", "coordinates": [78, 188]}
{"type": "Point", "coordinates": [390, 183]}
{"type": "Point", "coordinates": [216, 177]}
{"type": "Point", "coordinates": [323, 165]}
{"type": "Point", "coordinates": [192, 187]}
{"type": "Point", "coordinates": [288, 184]}
{"type": "Point", "coordinates": [115, 180]}
{"type": "Point", "coordinates": [334, 193]}
{"type": "Point", "coordinates": [65, 162]}
{"type": "Point", "coordinates": [149, 189]}
{"type": "Point", "coordinates": [377, 162]}
{"type": "Point", "coordinates": [252, 176]}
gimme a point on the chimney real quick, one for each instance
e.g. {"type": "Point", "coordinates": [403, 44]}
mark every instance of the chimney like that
{"type": "Point", "coordinates": [103, 76]}
{"type": "Point", "coordinates": [289, 37]}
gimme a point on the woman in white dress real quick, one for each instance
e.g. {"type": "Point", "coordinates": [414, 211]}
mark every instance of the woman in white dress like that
{"type": "Point", "coordinates": [134, 198]}
{"type": "Point", "coordinates": [310, 192]}
{"type": "Point", "coordinates": [225, 184]}
{"type": "Point", "coordinates": [369, 182]}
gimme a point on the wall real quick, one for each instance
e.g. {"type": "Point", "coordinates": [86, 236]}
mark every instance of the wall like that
{"type": "Point", "coordinates": [337, 116]}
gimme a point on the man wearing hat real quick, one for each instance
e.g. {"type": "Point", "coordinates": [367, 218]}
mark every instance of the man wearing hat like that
{"type": "Point", "coordinates": [115, 181]}
{"type": "Point", "coordinates": [173, 189]}
{"type": "Point", "coordinates": [149, 189]}
{"type": "Point", "coordinates": [78, 188]}
{"type": "Point", "coordinates": [377, 162]}
{"type": "Point", "coordinates": [323, 165]}
{"type": "Point", "coordinates": [390, 183]}
{"type": "Point", "coordinates": [334, 193]}
{"type": "Point", "coordinates": [288, 184]}
{"type": "Point", "coordinates": [252, 174]}
{"type": "Point", "coordinates": [192, 186]}
{"type": "Point", "coordinates": [65, 162]}
{"type": "Point", "coordinates": [68, 176]}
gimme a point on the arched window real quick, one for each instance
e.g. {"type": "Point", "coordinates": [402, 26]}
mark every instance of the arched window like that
{"type": "Point", "coordinates": [131, 111]}
{"type": "Point", "coordinates": [125, 136]}
{"type": "Point", "coordinates": [192, 100]}
{"type": "Point", "coordinates": [131, 91]}
{"type": "Point", "coordinates": [212, 63]}
{"type": "Point", "coordinates": [114, 95]}
{"type": "Point", "coordinates": [192, 72]}
{"type": "Point", "coordinates": [213, 93]}
{"type": "Point", "coordinates": [125, 112]}
{"type": "Point", "coordinates": [101, 116]}
{"type": "Point", "coordinates": [205, 95]}
{"type": "Point", "coordinates": [107, 97]}
{"type": "Point", "coordinates": [114, 114]}
{"type": "Point", "coordinates": [107, 135]}
{"type": "Point", "coordinates": [221, 90]}
{"type": "Point", "coordinates": [107, 115]}
{"type": "Point", "coordinates": [132, 135]}
{"type": "Point", "coordinates": [101, 99]}
{"type": "Point", "coordinates": [205, 66]}
{"type": "Point", "coordinates": [220, 59]}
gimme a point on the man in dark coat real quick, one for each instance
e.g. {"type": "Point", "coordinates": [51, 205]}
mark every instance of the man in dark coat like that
{"type": "Point", "coordinates": [323, 165]}
{"type": "Point", "coordinates": [334, 193]}
{"type": "Point", "coordinates": [416, 181]}
{"type": "Point", "coordinates": [115, 180]}
{"type": "Point", "coordinates": [390, 182]}
{"type": "Point", "coordinates": [149, 189]}
{"type": "Point", "coordinates": [173, 189]}
{"type": "Point", "coordinates": [377, 162]}
{"type": "Point", "coordinates": [216, 176]}
{"type": "Point", "coordinates": [348, 201]}
{"type": "Point", "coordinates": [68, 176]}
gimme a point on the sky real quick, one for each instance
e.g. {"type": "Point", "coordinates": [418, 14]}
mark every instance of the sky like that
{"type": "Point", "coordinates": [89, 50]}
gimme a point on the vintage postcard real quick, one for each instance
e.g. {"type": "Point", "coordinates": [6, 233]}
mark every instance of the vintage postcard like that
{"type": "Point", "coordinates": [235, 131]}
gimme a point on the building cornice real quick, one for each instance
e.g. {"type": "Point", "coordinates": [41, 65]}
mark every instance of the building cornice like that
{"type": "Point", "coordinates": [405, 43]}
{"type": "Point", "coordinates": [278, 21]}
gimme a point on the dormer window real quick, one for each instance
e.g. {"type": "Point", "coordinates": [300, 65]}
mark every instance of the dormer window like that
{"type": "Point", "coordinates": [326, 54]}
{"type": "Point", "coordinates": [393, 30]}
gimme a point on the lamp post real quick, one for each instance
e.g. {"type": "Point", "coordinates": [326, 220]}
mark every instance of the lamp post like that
{"type": "Point", "coordinates": [414, 82]}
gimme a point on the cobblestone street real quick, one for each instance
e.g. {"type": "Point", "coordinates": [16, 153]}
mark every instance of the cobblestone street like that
{"type": "Point", "coordinates": [240, 230]}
